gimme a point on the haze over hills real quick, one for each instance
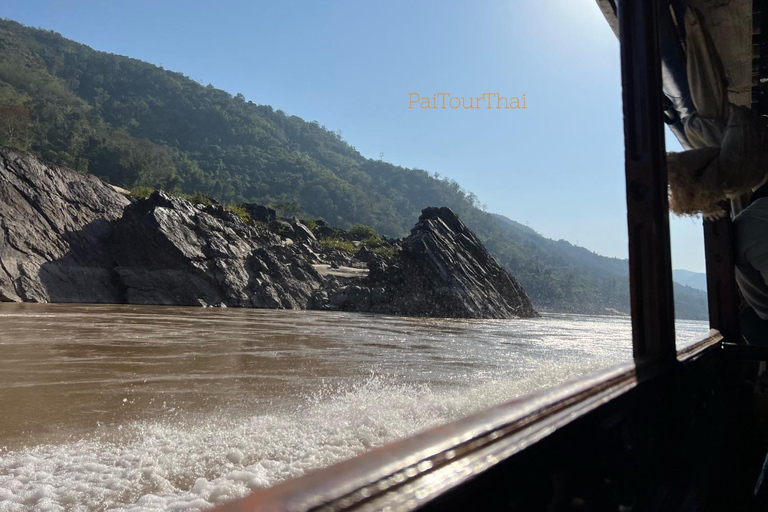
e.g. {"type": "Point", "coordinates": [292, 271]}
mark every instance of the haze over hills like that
{"type": "Point", "coordinates": [695, 280]}
{"type": "Point", "coordinates": [689, 299]}
{"type": "Point", "coordinates": [135, 124]}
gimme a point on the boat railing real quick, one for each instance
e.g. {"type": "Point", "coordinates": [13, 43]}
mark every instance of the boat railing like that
{"type": "Point", "coordinates": [407, 473]}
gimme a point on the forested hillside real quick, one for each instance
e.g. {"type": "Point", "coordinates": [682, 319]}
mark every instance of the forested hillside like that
{"type": "Point", "coordinates": [136, 124]}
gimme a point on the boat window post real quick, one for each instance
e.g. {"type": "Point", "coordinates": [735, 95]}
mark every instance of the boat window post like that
{"type": "Point", "coordinates": [650, 267]}
{"type": "Point", "coordinates": [722, 292]}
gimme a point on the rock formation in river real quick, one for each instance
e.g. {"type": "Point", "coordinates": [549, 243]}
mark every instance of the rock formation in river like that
{"type": "Point", "coordinates": [442, 270]}
{"type": "Point", "coordinates": [446, 271]}
{"type": "Point", "coordinates": [68, 237]}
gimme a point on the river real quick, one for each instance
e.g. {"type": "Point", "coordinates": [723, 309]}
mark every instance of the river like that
{"type": "Point", "coordinates": [154, 408]}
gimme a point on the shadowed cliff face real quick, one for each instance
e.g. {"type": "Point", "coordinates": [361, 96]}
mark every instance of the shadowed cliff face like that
{"type": "Point", "coordinates": [67, 237]}
{"type": "Point", "coordinates": [53, 227]}
{"type": "Point", "coordinates": [169, 251]}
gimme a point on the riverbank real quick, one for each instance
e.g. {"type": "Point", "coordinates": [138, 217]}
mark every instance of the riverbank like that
{"type": "Point", "coordinates": [68, 237]}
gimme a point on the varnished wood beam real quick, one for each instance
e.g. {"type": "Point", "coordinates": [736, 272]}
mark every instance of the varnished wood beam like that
{"type": "Point", "coordinates": [650, 268]}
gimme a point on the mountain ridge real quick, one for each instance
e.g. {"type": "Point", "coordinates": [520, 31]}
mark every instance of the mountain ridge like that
{"type": "Point", "coordinates": [696, 280]}
{"type": "Point", "coordinates": [132, 124]}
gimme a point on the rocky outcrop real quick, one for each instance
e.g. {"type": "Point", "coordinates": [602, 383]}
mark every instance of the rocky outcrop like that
{"type": "Point", "coordinates": [447, 272]}
{"type": "Point", "coordinates": [442, 270]}
{"type": "Point", "coordinates": [54, 224]}
{"type": "Point", "coordinates": [67, 237]}
{"type": "Point", "coordinates": [169, 251]}
{"type": "Point", "coordinates": [260, 213]}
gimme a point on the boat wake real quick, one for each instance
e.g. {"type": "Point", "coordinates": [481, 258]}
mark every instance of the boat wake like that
{"type": "Point", "coordinates": [195, 462]}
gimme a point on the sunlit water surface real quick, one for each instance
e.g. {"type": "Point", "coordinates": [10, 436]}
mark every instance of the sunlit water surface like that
{"type": "Point", "coordinates": [156, 408]}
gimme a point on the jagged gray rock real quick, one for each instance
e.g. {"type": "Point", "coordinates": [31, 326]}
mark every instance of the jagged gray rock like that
{"type": "Point", "coordinates": [53, 226]}
{"type": "Point", "coordinates": [446, 271]}
{"type": "Point", "coordinates": [67, 237]}
{"type": "Point", "coordinates": [442, 270]}
{"type": "Point", "coordinates": [169, 251]}
{"type": "Point", "coordinates": [260, 213]}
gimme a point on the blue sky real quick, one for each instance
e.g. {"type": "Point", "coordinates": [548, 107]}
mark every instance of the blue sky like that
{"type": "Point", "coordinates": [350, 64]}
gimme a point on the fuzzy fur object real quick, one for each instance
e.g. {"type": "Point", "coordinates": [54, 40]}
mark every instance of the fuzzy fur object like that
{"type": "Point", "coordinates": [701, 178]}
{"type": "Point", "coordinates": [694, 186]}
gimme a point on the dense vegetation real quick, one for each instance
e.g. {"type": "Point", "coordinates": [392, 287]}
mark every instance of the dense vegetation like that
{"type": "Point", "coordinates": [137, 125]}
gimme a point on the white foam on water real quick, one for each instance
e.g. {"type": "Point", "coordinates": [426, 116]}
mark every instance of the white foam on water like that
{"type": "Point", "coordinates": [193, 461]}
{"type": "Point", "coordinates": [200, 462]}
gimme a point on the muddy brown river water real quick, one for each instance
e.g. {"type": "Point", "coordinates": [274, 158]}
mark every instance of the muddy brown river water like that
{"type": "Point", "coordinates": [118, 407]}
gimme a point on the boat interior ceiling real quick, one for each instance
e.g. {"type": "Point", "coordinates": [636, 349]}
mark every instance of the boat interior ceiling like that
{"type": "Point", "coordinates": [683, 430]}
